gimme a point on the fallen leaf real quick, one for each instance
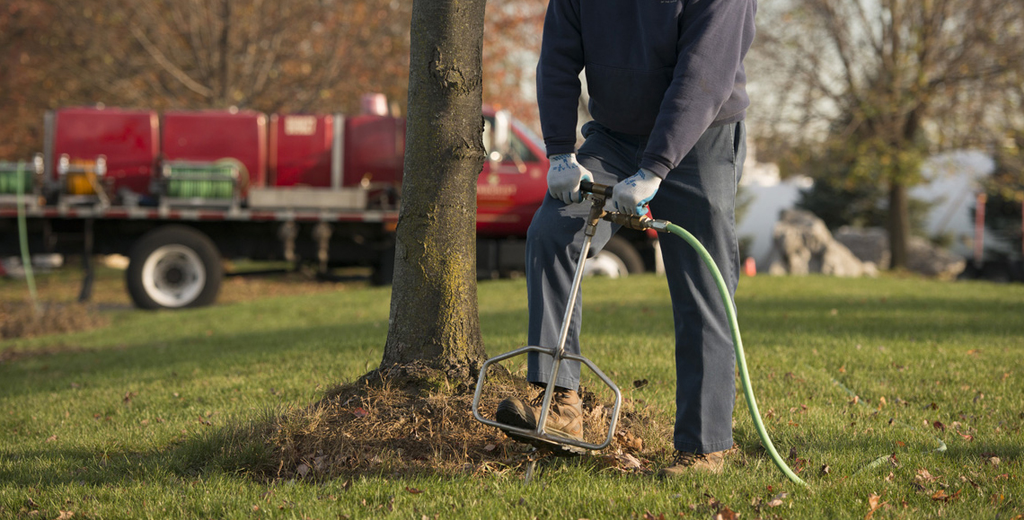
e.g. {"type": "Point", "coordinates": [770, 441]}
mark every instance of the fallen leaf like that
{"type": "Point", "coordinates": [724, 513]}
{"type": "Point", "coordinates": [992, 460]}
{"type": "Point", "coordinates": [939, 426]}
{"type": "Point", "coordinates": [629, 461]}
{"type": "Point", "coordinates": [360, 412]}
{"type": "Point", "coordinates": [489, 447]}
{"type": "Point", "coordinates": [776, 501]}
{"type": "Point", "coordinates": [924, 476]}
{"type": "Point", "coordinates": [874, 502]}
{"type": "Point", "coordinates": [302, 470]}
{"type": "Point", "coordinates": [413, 490]}
{"type": "Point", "coordinates": [65, 515]}
{"type": "Point", "coordinates": [640, 383]}
{"type": "Point", "coordinates": [825, 470]}
{"type": "Point", "coordinates": [941, 496]}
{"type": "Point", "coordinates": [51, 438]}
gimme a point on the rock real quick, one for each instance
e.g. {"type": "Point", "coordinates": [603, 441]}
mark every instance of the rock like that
{"type": "Point", "coordinates": [867, 244]}
{"type": "Point", "coordinates": [925, 258]}
{"type": "Point", "coordinates": [872, 244]}
{"type": "Point", "coordinates": [802, 244]}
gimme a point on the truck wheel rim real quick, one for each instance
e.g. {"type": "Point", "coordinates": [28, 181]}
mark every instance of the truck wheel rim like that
{"type": "Point", "coordinates": [173, 276]}
{"type": "Point", "coordinates": [606, 264]}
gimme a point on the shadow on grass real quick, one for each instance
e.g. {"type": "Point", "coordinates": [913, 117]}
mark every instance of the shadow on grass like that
{"type": "Point", "coordinates": [245, 449]}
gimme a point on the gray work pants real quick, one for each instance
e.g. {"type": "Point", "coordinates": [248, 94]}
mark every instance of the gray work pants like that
{"type": "Point", "coordinates": [699, 195]}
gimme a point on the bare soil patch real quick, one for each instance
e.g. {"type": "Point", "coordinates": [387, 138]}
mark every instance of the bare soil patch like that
{"type": "Point", "coordinates": [60, 312]}
{"type": "Point", "coordinates": [22, 319]}
{"type": "Point", "coordinates": [415, 420]}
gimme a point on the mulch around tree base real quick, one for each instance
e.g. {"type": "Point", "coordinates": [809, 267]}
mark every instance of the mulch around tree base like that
{"type": "Point", "coordinates": [414, 420]}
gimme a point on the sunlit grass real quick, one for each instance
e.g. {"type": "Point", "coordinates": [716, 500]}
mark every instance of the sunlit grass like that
{"type": "Point", "coordinates": [860, 381]}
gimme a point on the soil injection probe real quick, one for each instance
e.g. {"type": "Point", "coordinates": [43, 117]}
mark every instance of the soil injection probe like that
{"type": "Point", "coordinates": [538, 436]}
{"type": "Point", "coordinates": [599, 194]}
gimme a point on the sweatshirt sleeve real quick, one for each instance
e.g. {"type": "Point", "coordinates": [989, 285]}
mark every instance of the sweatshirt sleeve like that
{"type": "Point", "coordinates": [712, 44]}
{"type": "Point", "coordinates": [558, 71]}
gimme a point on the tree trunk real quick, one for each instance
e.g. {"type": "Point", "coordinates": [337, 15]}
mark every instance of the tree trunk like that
{"type": "Point", "coordinates": [434, 316]}
{"type": "Point", "coordinates": [899, 224]}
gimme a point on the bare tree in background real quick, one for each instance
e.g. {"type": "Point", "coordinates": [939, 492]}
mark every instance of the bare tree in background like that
{"type": "Point", "coordinates": [511, 49]}
{"type": "Point", "coordinates": [269, 55]}
{"type": "Point", "coordinates": [867, 89]}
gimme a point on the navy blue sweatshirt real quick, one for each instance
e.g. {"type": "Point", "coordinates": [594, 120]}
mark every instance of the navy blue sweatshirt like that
{"type": "Point", "coordinates": [668, 69]}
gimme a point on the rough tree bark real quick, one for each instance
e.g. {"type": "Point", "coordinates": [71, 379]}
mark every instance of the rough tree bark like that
{"type": "Point", "coordinates": [434, 317]}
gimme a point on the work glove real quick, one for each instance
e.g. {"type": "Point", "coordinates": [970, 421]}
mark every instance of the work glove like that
{"type": "Point", "coordinates": [631, 195]}
{"type": "Point", "coordinates": [564, 177]}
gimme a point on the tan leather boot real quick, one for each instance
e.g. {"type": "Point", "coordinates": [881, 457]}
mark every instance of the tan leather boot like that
{"type": "Point", "coordinates": [564, 420]}
{"type": "Point", "coordinates": [685, 462]}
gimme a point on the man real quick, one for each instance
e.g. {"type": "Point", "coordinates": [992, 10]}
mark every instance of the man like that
{"type": "Point", "coordinates": [668, 98]}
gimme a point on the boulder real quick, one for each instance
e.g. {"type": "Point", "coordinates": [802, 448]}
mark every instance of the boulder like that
{"type": "Point", "coordinates": [930, 260]}
{"type": "Point", "coordinates": [872, 244]}
{"type": "Point", "coordinates": [802, 244]}
{"type": "Point", "coordinates": [867, 244]}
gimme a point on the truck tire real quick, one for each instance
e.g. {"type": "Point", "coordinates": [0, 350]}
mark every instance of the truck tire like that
{"type": "Point", "coordinates": [618, 258]}
{"type": "Point", "coordinates": [173, 267]}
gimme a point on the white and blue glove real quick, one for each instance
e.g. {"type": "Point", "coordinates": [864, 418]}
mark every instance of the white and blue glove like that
{"type": "Point", "coordinates": [564, 177]}
{"type": "Point", "coordinates": [631, 195]}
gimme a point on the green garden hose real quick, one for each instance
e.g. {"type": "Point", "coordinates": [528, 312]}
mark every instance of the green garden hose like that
{"type": "Point", "coordinates": [26, 259]}
{"type": "Point", "coordinates": [734, 328]}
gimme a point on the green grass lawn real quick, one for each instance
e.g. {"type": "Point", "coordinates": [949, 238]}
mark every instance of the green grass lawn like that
{"type": "Point", "coordinates": [861, 383]}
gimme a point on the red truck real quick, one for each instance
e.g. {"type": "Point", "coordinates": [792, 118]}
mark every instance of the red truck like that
{"type": "Point", "coordinates": [179, 191]}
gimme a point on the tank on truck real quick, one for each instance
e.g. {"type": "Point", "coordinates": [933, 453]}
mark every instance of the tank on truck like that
{"type": "Point", "coordinates": [338, 152]}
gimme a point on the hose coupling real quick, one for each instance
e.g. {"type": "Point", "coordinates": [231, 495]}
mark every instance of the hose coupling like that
{"type": "Point", "coordinates": [637, 222]}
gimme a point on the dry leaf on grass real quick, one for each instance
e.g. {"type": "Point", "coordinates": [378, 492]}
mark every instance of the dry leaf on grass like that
{"type": "Point", "coordinates": [874, 502]}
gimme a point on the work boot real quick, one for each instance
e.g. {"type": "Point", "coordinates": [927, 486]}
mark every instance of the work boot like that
{"type": "Point", "coordinates": [565, 419]}
{"type": "Point", "coordinates": [685, 462]}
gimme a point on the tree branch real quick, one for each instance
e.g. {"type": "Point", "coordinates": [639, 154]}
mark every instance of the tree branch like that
{"type": "Point", "coordinates": [169, 67]}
